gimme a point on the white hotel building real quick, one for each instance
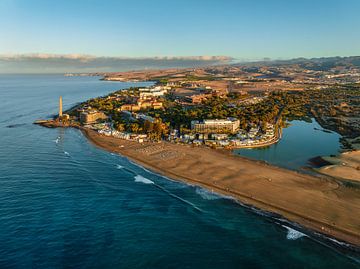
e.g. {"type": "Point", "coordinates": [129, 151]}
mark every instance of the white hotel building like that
{"type": "Point", "coordinates": [216, 125]}
{"type": "Point", "coordinates": [152, 92]}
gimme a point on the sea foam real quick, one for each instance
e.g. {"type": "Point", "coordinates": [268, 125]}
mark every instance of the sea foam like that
{"type": "Point", "coordinates": [142, 179]}
{"type": "Point", "coordinates": [207, 195]}
{"type": "Point", "coordinates": [293, 234]}
{"type": "Point", "coordinates": [57, 140]}
{"type": "Point", "coordinates": [118, 166]}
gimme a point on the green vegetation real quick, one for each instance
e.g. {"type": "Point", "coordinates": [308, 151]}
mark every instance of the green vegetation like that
{"type": "Point", "coordinates": [155, 130]}
{"type": "Point", "coordinates": [332, 107]}
{"type": "Point", "coordinates": [267, 111]}
{"type": "Point", "coordinates": [109, 103]}
{"type": "Point", "coordinates": [196, 78]}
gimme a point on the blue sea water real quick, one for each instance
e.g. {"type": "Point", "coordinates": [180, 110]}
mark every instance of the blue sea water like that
{"type": "Point", "coordinates": [67, 204]}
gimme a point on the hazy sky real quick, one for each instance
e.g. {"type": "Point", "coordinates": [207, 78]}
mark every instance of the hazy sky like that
{"type": "Point", "coordinates": [242, 29]}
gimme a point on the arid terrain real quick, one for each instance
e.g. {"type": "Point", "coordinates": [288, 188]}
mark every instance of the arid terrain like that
{"type": "Point", "coordinates": [346, 166]}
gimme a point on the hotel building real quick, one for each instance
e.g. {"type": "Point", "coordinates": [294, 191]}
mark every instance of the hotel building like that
{"type": "Point", "coordinates": [230, 125]}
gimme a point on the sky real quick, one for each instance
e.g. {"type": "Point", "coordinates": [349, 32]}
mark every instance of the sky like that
{"type": "Point", "coordinates": [242, 30]}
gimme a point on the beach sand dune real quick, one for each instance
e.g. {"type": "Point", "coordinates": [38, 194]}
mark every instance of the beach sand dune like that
{"type": "Point", "coordinates": [346, 166]}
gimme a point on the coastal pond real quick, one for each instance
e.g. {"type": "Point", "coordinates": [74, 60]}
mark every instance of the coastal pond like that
{"type": "Point", "coordinates": [300, 142]}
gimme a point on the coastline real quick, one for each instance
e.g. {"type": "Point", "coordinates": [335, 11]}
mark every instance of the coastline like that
{"type": "Point", "coordinates": [317, 203]}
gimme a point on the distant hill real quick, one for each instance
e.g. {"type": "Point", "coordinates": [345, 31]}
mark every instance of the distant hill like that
{"type": "Point", "coordinates": [317, 64]}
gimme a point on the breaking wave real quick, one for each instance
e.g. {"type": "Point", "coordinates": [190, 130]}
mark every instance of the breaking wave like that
{"type": "Point", "coordinates": [142, 179]}
{"type": "Point", "coordinates": [293, 234]}
{"type": "Point", "coordinates": [139, 178]}
{"type": "Point", "coordinates": [57, 140]}
{"type": "Point", "coordinates": [118, 166]}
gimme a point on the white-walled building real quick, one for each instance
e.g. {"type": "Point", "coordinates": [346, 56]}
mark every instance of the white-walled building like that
{"type": "Point", "coordinates": [215, 125]}
{"type": "Point", "coordinates": [152, 92]}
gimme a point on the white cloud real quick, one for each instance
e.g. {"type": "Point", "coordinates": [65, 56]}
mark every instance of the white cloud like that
{"type": "Point", "coordinates": [85, 57]}
{"type": "Point", "coordinates": [38, 62]}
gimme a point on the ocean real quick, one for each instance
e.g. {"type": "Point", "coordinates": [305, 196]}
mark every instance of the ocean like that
{"type": "Point", "coordinates": [65, 203]}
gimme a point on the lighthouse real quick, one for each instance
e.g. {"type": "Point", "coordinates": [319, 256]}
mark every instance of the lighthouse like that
{"type": "Point", "coordinates": [60, 107]}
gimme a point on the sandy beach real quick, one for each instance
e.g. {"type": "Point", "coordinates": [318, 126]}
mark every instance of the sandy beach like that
{"type": "Point", "coordinates": [318, 203]}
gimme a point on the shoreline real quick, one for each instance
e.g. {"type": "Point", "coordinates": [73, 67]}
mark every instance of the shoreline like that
{"type": "Point", "coordinates": [334, 206]}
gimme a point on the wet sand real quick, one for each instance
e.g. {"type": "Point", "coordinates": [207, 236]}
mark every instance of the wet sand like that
{"type": "Point", "coordinates": [318, 203]}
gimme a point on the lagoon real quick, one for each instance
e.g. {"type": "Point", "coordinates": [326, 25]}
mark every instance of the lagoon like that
{"type": "Point", "coordinates": [300, 142]}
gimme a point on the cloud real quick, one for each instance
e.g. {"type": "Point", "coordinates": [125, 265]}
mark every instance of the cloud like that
{"type": "Point", "coordinates": [47, 63]}
{"type": "Point", "coordinates": [81, 57]}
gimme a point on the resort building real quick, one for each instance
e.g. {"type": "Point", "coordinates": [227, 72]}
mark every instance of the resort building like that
{"type": "Point", "coordinates": [152, 92]}
{"type": "Point", "coordinates": [230, 125]}
{"type": "Point", "coordinates": [91, 116]}
{"type": "Point", "coordinates": [173, 84]}
{"type": "Point", "coordinates": [130, 107]}
{"type": "Point", "coordinates": [142, 104]}
{"type": "Point", "coordinates": [150, 104]}
{"type": "Point", "coordinates": [197, 98]}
